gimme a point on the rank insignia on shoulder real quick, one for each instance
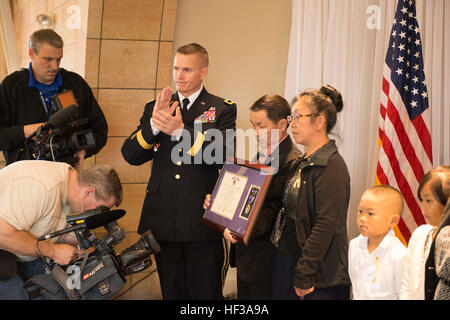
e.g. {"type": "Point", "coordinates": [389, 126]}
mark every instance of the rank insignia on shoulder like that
{"type": "Point", "coordinates": [228, 101]}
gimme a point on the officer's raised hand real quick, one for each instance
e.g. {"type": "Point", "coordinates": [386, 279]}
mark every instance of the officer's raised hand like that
{"type": "Point", "coordinates": [163, 101]}
{"type": "Point", "coordinates": [165, 122]}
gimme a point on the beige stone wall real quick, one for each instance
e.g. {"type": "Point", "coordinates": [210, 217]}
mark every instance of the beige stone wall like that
{"type": "Point", "coordinates": [3, 73]}
{"type": "Point", "coordinates": [128, 59]}
{"type": "Point", "coordinates": [3, 70]}
{"type": "Point", "coordinates": [124, 51]}
{"type": "Point", "coordinates": [128, 53]}
{"type": "Point", "coordinates": [74, 34]}
{"type": "Point", "coordinates": [129, 46]}
{"type": "Point", "coordinates": [70, 22]}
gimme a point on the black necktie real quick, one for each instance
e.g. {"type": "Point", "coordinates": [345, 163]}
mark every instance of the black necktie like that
{"type": "Point", "coordinates": [185, 104]}
{"type": "Point", "coordinates": [184, 107]}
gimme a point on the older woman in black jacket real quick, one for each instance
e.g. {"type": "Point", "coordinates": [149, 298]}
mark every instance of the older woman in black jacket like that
{"type": "Point", "coordinates": [310, 230]}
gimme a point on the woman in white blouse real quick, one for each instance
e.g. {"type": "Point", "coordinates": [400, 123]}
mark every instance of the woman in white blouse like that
{"type": "Point", "coordinates": [429, 191]}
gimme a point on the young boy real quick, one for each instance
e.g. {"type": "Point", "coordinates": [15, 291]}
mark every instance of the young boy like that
{"type": "Point", "coordinates": [377, 257]}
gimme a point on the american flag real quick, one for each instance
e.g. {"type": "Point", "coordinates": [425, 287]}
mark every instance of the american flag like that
{"type": "Point", "coordinates": [404, 122]}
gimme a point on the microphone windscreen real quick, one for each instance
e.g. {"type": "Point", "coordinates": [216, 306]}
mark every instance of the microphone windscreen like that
{"type": "Point", "coordinates": [63, 116]}
{"type": "Point", "coordinates": [103, 218]}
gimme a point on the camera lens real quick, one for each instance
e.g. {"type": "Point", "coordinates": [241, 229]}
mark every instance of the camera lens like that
{"type": "Point", "coordinates": [138, 255]}
{"type": "Point", "coordinates": [151, 242]}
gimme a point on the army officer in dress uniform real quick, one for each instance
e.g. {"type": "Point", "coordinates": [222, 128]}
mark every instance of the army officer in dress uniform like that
{"type": "Point", "coordinates": [193, 258]}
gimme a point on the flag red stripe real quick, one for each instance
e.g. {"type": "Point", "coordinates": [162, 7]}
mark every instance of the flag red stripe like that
{"type": "Point", "coordinates": [421, 128]}
{"type": "Point", "coordinates": [424, 136]}
{"type": "Point", "coordinates": [380, 133]}
{"type": "Point", "coordinates": [407, 147]}
{"type": "Point", "coordinates": [401, 224]}
{"type": "Point", "coordinates": [402, 183]}
{"type": "Point", "coordinates": [386, 86]}
{"type": "Point", "coordinates": [381, 175]}
{"type": "Point", "coordinates": [404, 230]}
{"type": "Point", "coordinates": [383, 111]}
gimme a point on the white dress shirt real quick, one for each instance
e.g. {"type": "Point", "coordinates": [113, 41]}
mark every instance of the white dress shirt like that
{"type": "Point", "coordinates": [413, 284]}
{"type": "Point", "coordinates": [377, 275]}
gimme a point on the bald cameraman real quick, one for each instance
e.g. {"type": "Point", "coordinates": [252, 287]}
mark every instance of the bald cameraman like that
{"type": "Point", "coordinates": [25, 98]}
{"type": "Point", "coordinates": [35, 197]}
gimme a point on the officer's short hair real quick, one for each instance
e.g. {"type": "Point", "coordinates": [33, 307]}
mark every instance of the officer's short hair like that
{"type": "Point", "coordinates": [195, 48]}
{"type": "Point", "coordinates": [48, 36]}
{"type": "Point", "coordinates": [105, 180]}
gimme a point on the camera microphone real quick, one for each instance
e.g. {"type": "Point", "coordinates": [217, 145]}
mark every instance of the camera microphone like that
{"type": "Point", "coordinates": [103, 218]}
{"type": "Point", "coordinates": [57, 119]}
{"type": "Point", "coordinates": [61, 117]}
{"type": "Point", "coordinates": [88, 220]}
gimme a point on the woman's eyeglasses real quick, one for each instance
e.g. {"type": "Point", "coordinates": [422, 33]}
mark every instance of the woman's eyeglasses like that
{"type": "Point", "coordinates": [295, 117]}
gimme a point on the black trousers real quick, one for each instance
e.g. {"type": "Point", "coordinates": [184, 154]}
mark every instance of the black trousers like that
{"type": "Point", "coordinates": [330, 293]}
{"type": "Point", "coordinates": [283, 272]}
{"type": "Point", "coordinates": [192, 270]}
{"type": "Point", "coordinates": [283, 283]}
{"type": "Point", "coordinates": [253, 290]}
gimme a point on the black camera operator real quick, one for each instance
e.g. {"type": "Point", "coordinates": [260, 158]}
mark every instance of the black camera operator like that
{"type": "Point", "coordinates": [26, 100]}
{"type": "Point", "coordinates": [35, 199]}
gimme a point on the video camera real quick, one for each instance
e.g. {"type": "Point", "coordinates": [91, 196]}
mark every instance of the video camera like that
{"type": "Point", "coordinates": [61, 136]}
{"type": "Point", "coordinates": [101, 273]}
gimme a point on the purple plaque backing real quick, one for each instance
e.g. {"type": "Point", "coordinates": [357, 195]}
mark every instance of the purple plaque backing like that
{"type": "Point", "coordinates": [241, 224]}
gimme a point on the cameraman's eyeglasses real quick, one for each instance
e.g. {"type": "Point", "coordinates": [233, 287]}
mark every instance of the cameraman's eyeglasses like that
{"type": "Point", "coordinates": [295, 117]}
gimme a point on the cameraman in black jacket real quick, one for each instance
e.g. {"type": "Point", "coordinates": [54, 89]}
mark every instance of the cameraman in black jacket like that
{"type": "Point", "coordinates": [25, 102]}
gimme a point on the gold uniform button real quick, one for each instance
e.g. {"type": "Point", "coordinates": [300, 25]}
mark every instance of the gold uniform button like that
{"type": "Point", "coordinates": [177, 176]}
{"type": "Point", "coordinates": [179, 163]}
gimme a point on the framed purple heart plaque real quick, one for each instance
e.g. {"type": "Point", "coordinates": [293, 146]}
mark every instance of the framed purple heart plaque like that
{"type": "Point", "coordinates": [237, 197]}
